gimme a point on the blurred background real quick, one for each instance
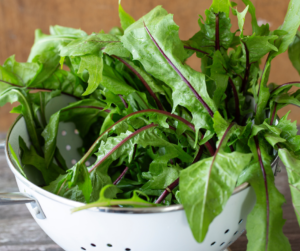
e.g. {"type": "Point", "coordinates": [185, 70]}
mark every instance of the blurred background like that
{"type": "Point", "coordinates": [19, 19]}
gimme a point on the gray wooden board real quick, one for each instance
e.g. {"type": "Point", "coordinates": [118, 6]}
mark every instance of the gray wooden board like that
{"type": "Point", "coordinates": [19, 231]}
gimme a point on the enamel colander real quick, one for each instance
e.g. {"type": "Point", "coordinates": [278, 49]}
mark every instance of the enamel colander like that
{"type": "Point", "coordinates": [116, 229]}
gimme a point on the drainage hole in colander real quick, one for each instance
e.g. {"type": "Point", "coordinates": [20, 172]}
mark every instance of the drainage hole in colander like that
{"type": "Point", "coordinates": [73, 161]}
{"type": "Point", "coordinates": [83, 248]}
{"type": "Point", "coordinates": [127, 249]}
{"type": "Point", "coordinates": [87, 163]}
{"type": "Point", "coordinates": [63, 133]}
{"type": "Point", "coordinates": [93, 245]}
{"type": "Point", "coordinates": [236, 232]}
{"type": "Point", "coordinates": [109, 245]}
{"type": "Point", "coordinates": [222, 244]}
{"type": "Point", "coordinates": [213, 243]}
{"type": "Point", "coordinates": [76, 131]}
{"type": "Point", "coordinates": [241, 220]}
{"type": "Point", "coordinates": [243, 231]}
{"type": "Point", "coordinates": [226, 231]}
{"type": "Point", "coordinates": [68, 147]}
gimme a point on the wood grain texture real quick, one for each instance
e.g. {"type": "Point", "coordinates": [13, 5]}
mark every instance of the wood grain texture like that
{"type": "Point", "coordinates": [19, 19]}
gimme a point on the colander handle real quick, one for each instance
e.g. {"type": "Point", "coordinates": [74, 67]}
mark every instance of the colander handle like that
{"type": "Point", "coordinates": [2, 144]}
{"type": "Point", "coordinates": [22, 198]}
{"type": "Point", "coordinates": [14, 198]}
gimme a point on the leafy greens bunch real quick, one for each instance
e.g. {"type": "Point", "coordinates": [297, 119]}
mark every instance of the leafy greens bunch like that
{"type": "Point", "coordinates": [161, 132]}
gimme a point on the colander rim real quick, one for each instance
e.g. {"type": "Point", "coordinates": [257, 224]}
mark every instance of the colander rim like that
{"type": "Point", "coordinates": [71, 203]}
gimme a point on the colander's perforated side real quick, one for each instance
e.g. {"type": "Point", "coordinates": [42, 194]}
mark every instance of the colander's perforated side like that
{"type": "Point", "coordinates": [220, 244]}
{"type": "Point", "coordinates": [110, 246]}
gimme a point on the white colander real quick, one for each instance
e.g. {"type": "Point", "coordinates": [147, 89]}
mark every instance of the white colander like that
{"type": "Point", "coordinates": [117, 229]}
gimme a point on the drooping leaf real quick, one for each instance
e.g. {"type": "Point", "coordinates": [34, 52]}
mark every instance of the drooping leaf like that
{"type": "Point", "coordinates": [30, 157]}
{"type": "Point", "coordinates": [125, 18]}
{"type": "Point", "coordinates": [258, 30]}
{"type": "Point", "coordinates": [208, 184]}
{"type": "Point", "coordinates": [12, 95]}
{"type": "Point", "coordinates": [294, 52]}
{"type": "Point", "coordinates": [94, 65]}
{"type": "Point", "coordinates": [290, 25]}
{"type": "Point", "coordinates": [265, 222]}
{"type": "Point", "coordinates": [292, 166]}
{"type": "Point", "coordinates": [241, 19]}
{"type": "Point", "coordinates": [16, 160]}
{"type": "Point", "coordinates": [107, 194]}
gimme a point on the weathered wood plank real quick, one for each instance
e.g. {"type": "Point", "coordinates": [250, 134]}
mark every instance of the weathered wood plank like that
{"type": "Point", "coordinates": [33, 247]}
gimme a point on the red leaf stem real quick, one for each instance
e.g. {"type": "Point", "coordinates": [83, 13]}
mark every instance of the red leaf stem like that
{"type": "Point", "coordinates": [158, 103]}
{"type": "Point", "coordinates": [180, 74]}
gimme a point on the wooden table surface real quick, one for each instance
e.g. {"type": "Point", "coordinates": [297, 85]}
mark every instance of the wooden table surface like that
{"type": "Point", "coordinates": [19, 231]}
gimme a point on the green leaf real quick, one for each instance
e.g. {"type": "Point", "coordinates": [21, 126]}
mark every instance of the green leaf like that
{"type": "Point", "coordinates": [258, 30]}
{"type": "Point", "coordinates": [63, 80]}
{"type": "Point", "coordinates": [79, 175]}
{"type": "Point", "coordinates": [165, 32]}
{"type": "Point", "coordinates": [220, 124]}
{"type": "Point", "coordinates": [94, 65]}
{"type": "Point", "coordinates": [287, 127]}
{"type": "Point", "coordinates": [88, 45]}
{"type": "Point", "coordinates": [263, 99]}
{"type": "Point", "coordinates": [25, 72]}
{"type": "Point", "coordinates": [161, 173]}
{"type": "Point", "coordinates": [61, 30]}
{"type": "Point", "coordinates": [106, 199]}
{"type": "Point", "coordinates": [258, 46]}
{"type": "Point", "coordinates": [205, 39]}
{"type": "Point", "coordinates": [290, 25]}
{"type": "Point", "coordinates": [257, 222]}
{"type": "Point", "coordinates": [12, 95]}
{"type": "Point", "coordinates": [116, 49]}
{"type": "Point", "coordinates": [219, 74]}
{"type": "Point", "coordinates": [209, 183]}
{"type": "Point", "coordinates": [30, 157]}
{"type": "Point", "coordinates": [241, 20]}
{"type": "Point", "coordinates": [40, 100]}
{"type": "Point", "coordinates": [294, 52]}
{"type": "Point", "coordinates": [114, 82]}
{"type": "Point", "coordinates": [45, 51]}
{"type": "Point", "coordinates": [16, 160]}
{"type": "Point", "coordinates": [155, 87]}
{"type": "Point", "coordinates": [221, 6]}
{"type": "Point", "coordinates": [273, 140]}
{"type": "Point", "coordinates": [122, 146]}
{"type": "Point", "coordinates": [292, 165]}
{"type": "Point", "coordinates": [125, 18]}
